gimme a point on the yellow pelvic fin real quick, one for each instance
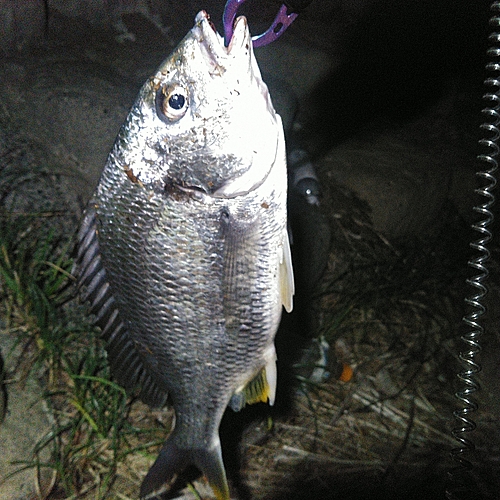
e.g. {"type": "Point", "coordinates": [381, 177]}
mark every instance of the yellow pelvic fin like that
{"type": "Point", "coordinates": [257, 390]}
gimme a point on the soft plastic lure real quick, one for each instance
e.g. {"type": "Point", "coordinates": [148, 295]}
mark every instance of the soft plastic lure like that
{"type": "Point", "coordinates": [286, 15]}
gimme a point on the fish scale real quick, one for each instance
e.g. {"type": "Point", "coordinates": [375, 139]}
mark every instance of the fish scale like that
{"type": "Point", "coordinates": [183, 250]}
{"type": "Point", "coordinates": [174, 293]}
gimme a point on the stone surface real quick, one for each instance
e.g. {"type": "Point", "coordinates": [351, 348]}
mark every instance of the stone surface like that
{"type": "Point", "coordinates": [67, 109]}
{"type": "Point", "coordinates": [26, 422]}
{"type": "Point", "coordinates": [404, 188]}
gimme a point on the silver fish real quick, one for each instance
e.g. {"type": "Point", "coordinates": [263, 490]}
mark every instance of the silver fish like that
{"type": "Point", "coordinates": [183, 250]}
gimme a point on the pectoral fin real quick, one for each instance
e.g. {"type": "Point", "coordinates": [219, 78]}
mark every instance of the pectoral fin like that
{"type": "Point", "coordinates": [287, 286]}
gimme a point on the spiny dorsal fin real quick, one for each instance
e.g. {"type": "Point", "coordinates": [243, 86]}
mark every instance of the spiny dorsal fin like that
{"type": "Point", "coordinates": [125, 362]}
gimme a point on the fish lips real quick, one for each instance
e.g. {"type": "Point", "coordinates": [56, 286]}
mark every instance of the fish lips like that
{"type": "Point", "coordinates": [222, 56]}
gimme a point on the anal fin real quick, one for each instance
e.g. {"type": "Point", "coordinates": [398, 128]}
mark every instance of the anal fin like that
{"type": "Point", "coordinates": [260, 389]}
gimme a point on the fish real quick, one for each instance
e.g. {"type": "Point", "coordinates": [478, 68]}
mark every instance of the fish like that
{"type": "Point", "coordinates": [183, 250]}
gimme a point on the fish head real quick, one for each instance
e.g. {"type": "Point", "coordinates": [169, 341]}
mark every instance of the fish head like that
{"type": "Point", "coordinates": [205, 120]}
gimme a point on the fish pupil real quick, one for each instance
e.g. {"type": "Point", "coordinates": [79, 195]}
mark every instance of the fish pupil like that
{"type": "Point", "coordinates": [176, 101]}
{"type": "Point", "coordinates": [171, 103]}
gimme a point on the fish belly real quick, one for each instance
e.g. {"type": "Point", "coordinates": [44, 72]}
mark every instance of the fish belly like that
{"type": "Point", "coordinates": [195, 279]}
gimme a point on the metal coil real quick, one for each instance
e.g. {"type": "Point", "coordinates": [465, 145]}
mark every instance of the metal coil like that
{"type": "Point", "coordinates": [460, 480]}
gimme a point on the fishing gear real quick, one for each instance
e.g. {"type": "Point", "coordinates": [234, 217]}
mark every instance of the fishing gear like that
{"type": "Point", "coordinates": [469, 385]}
{"type": "Point", "coordinates": [303, 176]}
{"type": "Point", "coordinates": [286, 15]}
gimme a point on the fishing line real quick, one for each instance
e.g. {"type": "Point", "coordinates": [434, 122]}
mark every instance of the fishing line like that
{"type": "Point", "coordinates": [460, 476]}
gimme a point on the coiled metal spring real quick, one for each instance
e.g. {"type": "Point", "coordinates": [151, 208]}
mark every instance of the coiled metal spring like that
{"type": "Point", "coordinates": [460, 480]}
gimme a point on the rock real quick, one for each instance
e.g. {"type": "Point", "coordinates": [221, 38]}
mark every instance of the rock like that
{"type": "Point", "coordinates": [22, 24]}
{"type": "Point", "coordinates": [70, 107]}
{"type": "Point", "coordinates": [18, 434]}
{"type": "Point", "coordinates": [404, 187]}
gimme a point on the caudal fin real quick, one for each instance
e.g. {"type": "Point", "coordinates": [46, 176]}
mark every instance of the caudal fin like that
{"type": "Point", "coordinates": [173, 460]}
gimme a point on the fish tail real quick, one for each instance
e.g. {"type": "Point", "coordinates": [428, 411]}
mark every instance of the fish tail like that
{"type": "Point", "coordinates": [209, 461]}
{"type": "Point", "coordinates": [173, 459]}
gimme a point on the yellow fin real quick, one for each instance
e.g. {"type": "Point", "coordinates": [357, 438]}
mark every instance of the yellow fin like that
{"type": "Point", "coordinates": [261, 389]}
{"type": "Point", "coordinates": [287, 286]}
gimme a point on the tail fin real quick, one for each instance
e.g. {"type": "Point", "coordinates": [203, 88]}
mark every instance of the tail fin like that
{"type": "Point", "coordinates": [172, 460]}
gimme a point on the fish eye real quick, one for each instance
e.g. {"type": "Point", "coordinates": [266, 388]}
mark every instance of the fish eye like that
{"type": "Point", "coordinates": [171, 102]}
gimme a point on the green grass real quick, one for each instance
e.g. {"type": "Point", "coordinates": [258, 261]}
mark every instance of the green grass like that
{"type": "Point", "coordinates": [91, 433]}
{"type": "Point", "coordinates": [95, 430]}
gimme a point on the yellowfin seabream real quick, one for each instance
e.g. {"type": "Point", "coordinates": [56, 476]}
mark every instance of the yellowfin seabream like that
{"type": "Point", "coordinates": [183, 250]}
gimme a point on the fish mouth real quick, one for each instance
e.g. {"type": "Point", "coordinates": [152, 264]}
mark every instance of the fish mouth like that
{"type": "Point", "coordinates": [237, 59]}
{"type": "Point", "coordinates": [208, 37]}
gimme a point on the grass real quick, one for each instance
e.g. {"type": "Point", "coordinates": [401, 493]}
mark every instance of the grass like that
{"type": "Point", "coordinates": [392, 314]}
{"type": "Point", "coordinates": [91, 433]}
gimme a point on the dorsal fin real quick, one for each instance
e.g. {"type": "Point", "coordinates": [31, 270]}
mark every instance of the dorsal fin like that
{"type": "Point", "coordinates": [125, 362]}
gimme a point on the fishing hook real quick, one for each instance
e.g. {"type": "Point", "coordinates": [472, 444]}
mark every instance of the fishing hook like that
{"type": "Point", "coordinates": [286, 15]}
